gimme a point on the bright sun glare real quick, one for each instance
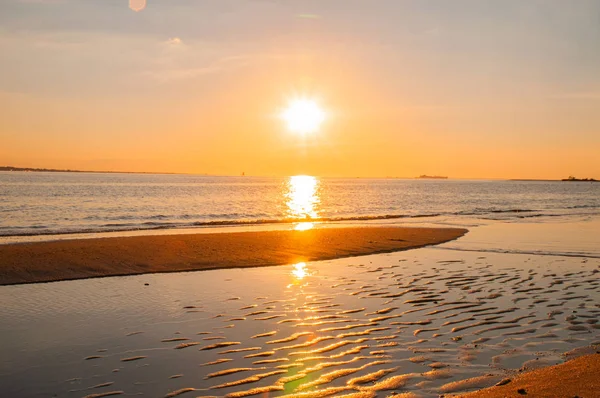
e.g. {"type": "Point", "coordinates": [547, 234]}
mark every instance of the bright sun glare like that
{"type": "Point", "coordinates": [303, 116]}
{"type": "Point", "coordinates": [300, 271]}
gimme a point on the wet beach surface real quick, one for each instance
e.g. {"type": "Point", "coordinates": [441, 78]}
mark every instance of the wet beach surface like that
{"type": "Point", "coordinates": [426, 322]}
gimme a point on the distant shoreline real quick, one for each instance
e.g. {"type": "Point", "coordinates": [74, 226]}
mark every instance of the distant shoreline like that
{"type": "Point", "coordinates": [37, 170]}
{"type": "Point", "coordinates": [422, 177]}
{"type": "Point", "coordinates": [563, 180]}
{"type": "Point", "coordinates": [427, 177]}
{"type": "Point", "coordinates": [532, 180]}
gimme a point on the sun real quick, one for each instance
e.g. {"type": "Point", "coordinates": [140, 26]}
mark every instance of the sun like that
{"type": "Point", "coordinates": [303, 116]}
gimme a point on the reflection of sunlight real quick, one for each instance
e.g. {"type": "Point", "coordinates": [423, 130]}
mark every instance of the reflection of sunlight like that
{"type": "Point", "coordinates": [302, 197]}
{"type": "Point", "coordinates": [300, 271]}
{"type": "Point", "coordinates": [304, 226]}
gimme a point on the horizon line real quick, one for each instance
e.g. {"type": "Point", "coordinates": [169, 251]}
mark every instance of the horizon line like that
{"type": "Point", "coordinates": [53, 170]}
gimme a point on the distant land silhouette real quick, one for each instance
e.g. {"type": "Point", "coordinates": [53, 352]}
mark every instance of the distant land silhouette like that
{"type": "Point", "coordinates": [571, 178]}
{"type": "Point", "coordinates": [32, 169]}
{"type": "Point", "coordinates": [424, 176]}
{"type": "Point", "coordinates": [11, 168]}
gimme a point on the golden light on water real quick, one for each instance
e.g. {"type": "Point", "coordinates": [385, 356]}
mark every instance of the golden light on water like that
{"type": "Point", "coordinates": [303, 116]}
{"type": "Point", "coordinates": [302, 197]}
{"type": "Point", "coordinates": [300, 271]}
{"type": "Point", "coordinates": [304, 226]}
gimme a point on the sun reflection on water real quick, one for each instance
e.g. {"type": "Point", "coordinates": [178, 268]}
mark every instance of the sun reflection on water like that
{"type": "Point", "coordinates": [302, 199]}
{"type": "Point", "coordinates": [300, 271]}
{"type": "Point", "coordinates": [304, 226]}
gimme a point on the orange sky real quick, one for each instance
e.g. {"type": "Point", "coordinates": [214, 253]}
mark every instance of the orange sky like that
{"type": "Point", "coordinates": [475, 90]}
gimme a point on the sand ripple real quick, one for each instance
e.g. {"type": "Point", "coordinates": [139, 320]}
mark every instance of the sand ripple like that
{"type": "Point", "coordinates": [429, 322]}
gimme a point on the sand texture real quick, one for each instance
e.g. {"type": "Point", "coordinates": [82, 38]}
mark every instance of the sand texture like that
{"type": "Point", "coordinates": [87, 258]}
{"type": "Point", "coordinates": [419, 323]}
{"type": "Point", "coordinates": [577, 378]}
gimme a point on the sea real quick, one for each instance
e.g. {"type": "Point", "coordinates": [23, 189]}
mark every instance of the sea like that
{"type": "Point", "coordinates": [54, 203]}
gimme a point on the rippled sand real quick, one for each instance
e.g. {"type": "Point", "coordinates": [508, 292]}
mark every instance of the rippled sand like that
{"type": "Point", "coordinates": [420, 323]}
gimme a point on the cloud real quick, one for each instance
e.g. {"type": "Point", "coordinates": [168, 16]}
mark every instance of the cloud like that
{"type": "Point", "coordinates": [181, 73]}
{"type": "Point", "coordinates": [174, 41]}
{"type": "Point", "coordinates": [173, 46]}
{"type": "Point", "coordinates": [43, 1]}
{"type": "Point", "coordinates": [309, 16]}
{"type": "Point", "coordinates": [583, 95]}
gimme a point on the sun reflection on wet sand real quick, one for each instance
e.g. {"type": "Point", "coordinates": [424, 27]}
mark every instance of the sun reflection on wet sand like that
{"type": "Point", "coordinates": [422, 322]}
{"type": "Point", "coordinates": [300, 271]}
{"type": "Point", "coordinates": [302, 197]}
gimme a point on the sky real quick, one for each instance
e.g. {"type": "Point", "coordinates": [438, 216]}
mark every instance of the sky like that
{"type": "Point", "coordinates": [462, 88]}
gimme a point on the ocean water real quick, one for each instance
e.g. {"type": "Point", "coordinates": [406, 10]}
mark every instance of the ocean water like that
{"type": "Point", "coordinates": [65, 203]}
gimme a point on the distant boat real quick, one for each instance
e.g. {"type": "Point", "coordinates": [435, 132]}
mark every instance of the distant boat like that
{"type": "Point", "coordinates": [433, 177]}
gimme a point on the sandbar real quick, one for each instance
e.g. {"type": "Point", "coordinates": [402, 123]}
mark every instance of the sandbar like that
{"type": "Point", "coordinates": [118, 256]}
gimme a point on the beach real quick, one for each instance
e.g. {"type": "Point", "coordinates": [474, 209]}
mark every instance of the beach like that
{"type": "Point", "coordinates": [438, 320]}
{"type": "Point", "coordinates": [299, 199]}
{"type": "Point", "coordinates": [167, 286]}
{"type": "Point", "coordinates": [87, 258]}
{"type": "Point", "coordinates": [576, 378]}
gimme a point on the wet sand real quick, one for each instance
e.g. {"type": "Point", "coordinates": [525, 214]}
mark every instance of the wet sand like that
{"type": "Point", "coordinates": [419, 323]}
{"type": "Point", "coordinates": [79, 259]}
{"type": "Point", "coordinates": [576, 378]}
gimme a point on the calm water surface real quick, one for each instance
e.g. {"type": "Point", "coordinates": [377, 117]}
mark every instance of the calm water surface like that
{"type": "Point", "coordinates": [51, 203]}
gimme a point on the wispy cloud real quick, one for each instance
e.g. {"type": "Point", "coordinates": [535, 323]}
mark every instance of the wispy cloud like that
{"type": "Point", "coordinates": [174, 41]}
{"type": "Point", "coordinates": [582, 95]}
{"type": "Point", "coordinates": [189, 72]}
{"type": "Point", "coordinates": [43, 1]}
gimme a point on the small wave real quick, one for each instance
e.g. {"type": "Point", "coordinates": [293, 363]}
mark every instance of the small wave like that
{"type": "Point", "coordinates": [152, 223]}
{"type": "Point", "coordinates": [541, 215]}
{"type": "Point", "coordinates": [529, 252]}
{"type": "Point", "coordinates": [513, 211]}
{"type": "Point", "coordinates": [478, 212]}
{"type": "Point", "coordinates": [583, 207]}
{"type": "Point", "coordinates": [33, 227]}
{"type": "Point", "coordinates": [158, 217]}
